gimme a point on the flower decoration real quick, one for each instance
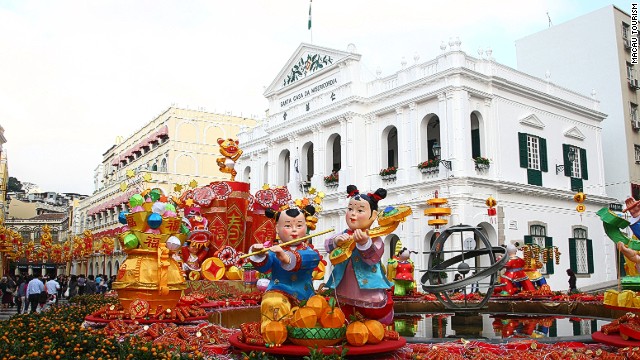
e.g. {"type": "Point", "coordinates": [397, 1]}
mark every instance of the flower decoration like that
{"type": "Point", "coordinates": [432, 163]}
{"type": "Point", "coordinates": [331, 179]}
{"type": "Point", "coordinates": [481, 160]}
{"type": "Point", "coordinates": [388, 171]}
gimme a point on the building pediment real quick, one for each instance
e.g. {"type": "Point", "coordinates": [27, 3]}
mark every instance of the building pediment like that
{"type": "Point", "coordinates": [575, 133]}
{"type": "Point", "coordinates": [306, 62]}
{"type": "Point", "coordinates": [533, 121]}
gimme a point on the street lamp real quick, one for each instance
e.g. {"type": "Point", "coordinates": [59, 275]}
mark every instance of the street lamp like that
{"type": "Point", "coordinates": [571, 156]}
{"type": "Point", "coordinates": [436, 153]}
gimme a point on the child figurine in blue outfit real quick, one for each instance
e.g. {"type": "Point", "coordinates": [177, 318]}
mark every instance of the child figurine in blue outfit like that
{"type": "Point", "coordinates": [291, 266]}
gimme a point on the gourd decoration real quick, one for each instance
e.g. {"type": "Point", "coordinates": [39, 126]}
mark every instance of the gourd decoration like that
{"type": "Point", "coordinates": [318, 303]}
{"type": "Point", "coordinates": [304, 317]}
{"type": "Point", "coordinates": [376, 331]}
{"type": "Point", "coordinates": [274, 332]}
{"type": "Point", "coordinates": [332, 316]}
{"type": "Point", "coordinates": [357, 333]}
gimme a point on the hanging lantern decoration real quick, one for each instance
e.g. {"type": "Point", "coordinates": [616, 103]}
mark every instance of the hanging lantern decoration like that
{"type": "Point", "coordinates": [437, 212]}
{"type": "Point", "coordinates": [580, 198]}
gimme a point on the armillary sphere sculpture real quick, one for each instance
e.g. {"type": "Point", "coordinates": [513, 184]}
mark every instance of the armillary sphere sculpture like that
{"type": "Point", "coordinates": [481, 253]}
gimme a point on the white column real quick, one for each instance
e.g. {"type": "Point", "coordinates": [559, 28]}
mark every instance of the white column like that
{"type": "Point", "coordinates": [403, 133]}
{"type": "Point", "coordinates": [319, 157]}
{"type": "Point", "coordinates": [345, 166]}
{"type": "Point", "coordinates": [293, 184]}
{"type": "Point", "coordinates": [373, 156]}
{"type": "Point", "coordinates": [271, 163]}
{"type": "Point", "coordinates": [413, 135]}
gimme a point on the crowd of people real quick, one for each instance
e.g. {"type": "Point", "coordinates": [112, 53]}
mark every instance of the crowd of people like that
{"type": "Point", "coordinates": [35, 292]}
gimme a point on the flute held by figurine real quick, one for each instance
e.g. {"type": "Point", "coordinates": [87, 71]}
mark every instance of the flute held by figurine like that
{"type": "Point", "coordinates": [288, 243]}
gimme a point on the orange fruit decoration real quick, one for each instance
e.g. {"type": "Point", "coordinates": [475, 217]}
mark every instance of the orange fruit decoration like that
{"type": "Point", "coordinates": [305, 317]}
{"type": "Point", "coordinates": [318, 304]}
{"type": "Point", "coordinates": [274, 332]}
{"type": "Point", "coordinates": [332, 317]}
{"type": "Point", "coordinates": [357, 333]}
{"type": "Point", "coordinates": [376, 331]}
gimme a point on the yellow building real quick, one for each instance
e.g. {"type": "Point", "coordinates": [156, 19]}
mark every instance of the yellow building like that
{"type": "Point", "coordinates": [176, 147]}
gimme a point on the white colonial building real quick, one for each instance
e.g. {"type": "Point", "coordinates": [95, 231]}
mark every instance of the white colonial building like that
{"type": "Point", "coordinates": [326, 114]}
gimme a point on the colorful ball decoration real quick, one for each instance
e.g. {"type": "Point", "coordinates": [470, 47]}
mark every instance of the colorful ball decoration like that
{"type": "Point", "coordinates": [122, 217]}
{"type": "Point", "coordinates": [170, 207]}
{"type": "Point", "coordinates": [130, 241]}
{"type": "Point", "coordinates": [155, 194]}
{"type": "Point", "coordinates": [154, 220]}
{"type": "Point", "coordinates": [173, 243]}
{"type": "Point", "coordinates": [136, 200]}
{"type": "Point", "coordinates": [158, 207]}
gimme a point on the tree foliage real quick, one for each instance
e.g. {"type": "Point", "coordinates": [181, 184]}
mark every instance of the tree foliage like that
{"type": "Point", "coordinates": [14, 185]}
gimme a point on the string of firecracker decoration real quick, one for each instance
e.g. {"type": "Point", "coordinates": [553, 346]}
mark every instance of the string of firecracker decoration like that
{"type": "Point", "coordinates": [533, 251]}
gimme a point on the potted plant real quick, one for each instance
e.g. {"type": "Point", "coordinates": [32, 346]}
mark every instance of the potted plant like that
{"type": "Point", "coordinates": [482, 163]}
{"type": "Point", "coordinates": [331, 180]}
{"type": "Point", "coordinates": [429, 166]}
{"type": "Point", "coordinates": [389, 173]}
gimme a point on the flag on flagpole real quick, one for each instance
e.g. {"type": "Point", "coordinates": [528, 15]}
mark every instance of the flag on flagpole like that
{"type": "Point", "coordinates": [309, 26]}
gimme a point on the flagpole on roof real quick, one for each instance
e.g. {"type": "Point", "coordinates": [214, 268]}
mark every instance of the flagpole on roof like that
{"type": "Point", "coordinates": [309, 25]}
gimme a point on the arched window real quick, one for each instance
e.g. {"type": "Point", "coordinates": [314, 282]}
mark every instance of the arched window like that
{"type": "Point", "coordinates": [390, 147]}
{"type": "Point", "coordinates": [163, 165]}
{"type": "Point", "coordinates": [154, 167]}
{"type": "Point", "coordinates": [265, 173]}
{"type": "Point", "coordinates": [307, 169]}
{"type": "Point", "coordinates": [475, 136]}
{"type": "Point", "coordinates": [429, 136]}
{"type": "Point", "coordinates": [334, 155]}
{"type": "Point", "coordinates": [392, 246]}
{"type": "Point", "coordinates": [284, 167]}
{"type": "Point", "coordinates": [246, 176]}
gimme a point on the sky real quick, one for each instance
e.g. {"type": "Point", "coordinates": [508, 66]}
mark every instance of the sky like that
{"type": "Point", "coordinates": [74, 75]}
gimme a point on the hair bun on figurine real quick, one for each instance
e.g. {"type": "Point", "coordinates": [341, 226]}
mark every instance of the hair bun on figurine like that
{"type": "Point", "coordinates": [371, 198]}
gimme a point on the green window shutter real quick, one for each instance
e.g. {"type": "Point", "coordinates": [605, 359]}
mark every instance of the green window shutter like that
{"type": "Point", "coordinates": [548, 242]}
{"type": "Point", "coordinates": [475, 143]}
{"type": "Point", "coordinates": [583, 164]}
{"type": "Point", "coordinates": [576, 328]}
{"type": "Point", "coordinates": [565, 158]}
{"type": "Point", "coordinates": [528, 239]}
{"type": "Point", "coordinates": [543, 155]}
{"type": "Point", "coordinates": [553, 329]}
{"type": "Point", "coordinates": [594, 326]}
{"type": "Point", "coordinates": [590, 256]}
{"type": "Point", "coordinates": [573, 257]}
{"type": "Point", "coordinates": [524, 159]}
{"type": "Point", "coordinates": [534, 177]}
{"type": "Point", "coordinates": [576, 184]}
